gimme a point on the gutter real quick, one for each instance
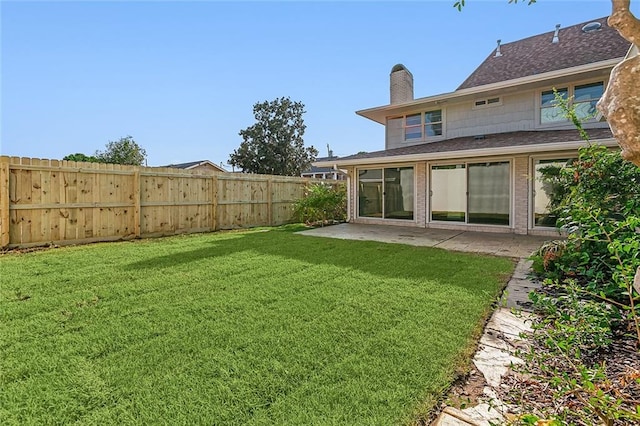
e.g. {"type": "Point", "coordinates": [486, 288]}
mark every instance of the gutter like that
{"type": "Point", "coordinates": [469, 153]}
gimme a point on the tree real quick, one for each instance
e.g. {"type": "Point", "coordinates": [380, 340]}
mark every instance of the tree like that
{"type": "Point", "coordinates": [123, 151]}
{"type": "Point", "coordinates": [78, 156]}
{"type": "Point", "coordinates": [274, 144]}
{"type": "Point", "coordinates": [620, 103]}
{"type": "Point", "coordinates": [460, 4]}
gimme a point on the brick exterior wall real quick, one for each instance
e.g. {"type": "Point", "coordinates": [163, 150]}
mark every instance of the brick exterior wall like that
{"type": "Point", "coordinates": [521, 194]}
{"type": "Point", "coordinates": [521, 203]}
{"type": "Point", "coordinates": [401, 87]}
{"type": "Point", "coordinates": [420, 208]}
{"type": "Point", "coordinates": [352, 189]}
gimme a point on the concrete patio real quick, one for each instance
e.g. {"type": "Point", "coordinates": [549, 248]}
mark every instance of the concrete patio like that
{"type": "Point", "coordinates": [498, 244]}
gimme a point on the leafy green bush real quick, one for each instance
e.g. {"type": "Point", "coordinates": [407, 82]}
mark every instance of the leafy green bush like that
{"type": "Point", "coordinates": [322, 203]}
{"type": "Point", "coordinates": [588, 299]}
{"type": "Point", "coordinates": [600, 210]}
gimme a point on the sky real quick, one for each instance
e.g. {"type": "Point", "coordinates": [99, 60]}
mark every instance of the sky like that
{"type": "Point", "coordinates": [181, 77]}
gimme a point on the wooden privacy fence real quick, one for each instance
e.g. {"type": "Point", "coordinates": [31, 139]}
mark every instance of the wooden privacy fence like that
{"type": "Point", "coordinates": [67, 202]}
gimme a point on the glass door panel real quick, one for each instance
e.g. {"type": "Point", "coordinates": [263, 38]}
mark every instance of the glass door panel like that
{"type": "Point", "coordinates": [370, 193]}
{"type": "Point", "coordinates": [542, 192]}
{"type": "Point", "coordinates": [449, 193]}
{"type": "Point", "coordinates": [398, 193]}
{"type": "Point", "coordinates": [489, 193]}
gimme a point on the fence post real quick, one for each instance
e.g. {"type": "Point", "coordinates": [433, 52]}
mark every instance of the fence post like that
{"type": "Point", "coordinates": [270, 202]}
{"type": "Point", "coordinates": [4, 202]}
{"type": "Point", "coordinates": [137, 201]}
{"type": "Point", "coordinates": [214, 202]}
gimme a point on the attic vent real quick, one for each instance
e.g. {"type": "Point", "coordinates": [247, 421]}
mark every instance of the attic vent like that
{"type": "Point", "coordinates": [592, 27]}
{"type": "Point", "coordinates": [486, 102]}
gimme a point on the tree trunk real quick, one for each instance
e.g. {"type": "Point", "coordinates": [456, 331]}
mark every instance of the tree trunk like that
{"type": "Point", "coordinates": [620, 103]}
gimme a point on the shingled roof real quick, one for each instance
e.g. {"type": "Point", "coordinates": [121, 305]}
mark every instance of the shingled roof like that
{"type": "Point", "coordinates": [498, 140]}
{"type": "Point", "coordinates": [316, 169]}
{"type": "Point", "coordinates": [186, 165]}
{"type": "Point", "coordinates": [537, 54]}
{"type": "Point", "coordinates": [194, 164]}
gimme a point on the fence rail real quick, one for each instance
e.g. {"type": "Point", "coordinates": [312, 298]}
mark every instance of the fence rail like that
{"type": "Point", "coordinates": [67, 202]}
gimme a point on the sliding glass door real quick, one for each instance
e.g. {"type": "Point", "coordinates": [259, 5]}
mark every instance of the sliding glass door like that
{"type": "Point", "coordinates": [543, 190]}
{"type": "Point", "coordinates": [475, 193]}
{"type": "Point", "coordinates": [489, 193]}
{"type": "Point", "coordinates": [370, 193]}
{"type": "Point", "coordinates": [386, 193]}
{"type": "Point", "coordinates": [449, 193]}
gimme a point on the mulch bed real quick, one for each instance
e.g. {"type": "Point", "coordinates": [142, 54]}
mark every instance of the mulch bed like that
{"type": "Point", "coordinates": [533, 391]}
{"type": "Point", "coordinates": [529, 389]}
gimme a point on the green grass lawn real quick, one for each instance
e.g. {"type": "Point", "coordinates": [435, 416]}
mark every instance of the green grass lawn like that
{"type": "Point", "coordinates": [251, 328]}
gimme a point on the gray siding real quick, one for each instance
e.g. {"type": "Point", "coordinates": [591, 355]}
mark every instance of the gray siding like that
{"type": "Point", "coordinates": [516, 113]}
{"type": "Point", "coordinates": [394, 133]}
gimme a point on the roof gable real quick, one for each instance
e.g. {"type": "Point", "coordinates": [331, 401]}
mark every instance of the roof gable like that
{"type": "Point", "coordinates": [194, 164]}
{"type": "Point", "coordinates": [537, 54]}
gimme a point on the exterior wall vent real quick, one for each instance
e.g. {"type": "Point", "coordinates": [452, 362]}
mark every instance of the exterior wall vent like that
{"type": "Point", "coordinates": [487, 102]}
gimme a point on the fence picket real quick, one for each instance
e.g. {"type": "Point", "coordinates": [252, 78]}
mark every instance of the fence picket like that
{"type": "Point", "coordinates": [65, 202]}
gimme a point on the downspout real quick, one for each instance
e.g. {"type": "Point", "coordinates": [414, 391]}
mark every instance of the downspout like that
{"type": "Point", "coordinates": [348, 197]}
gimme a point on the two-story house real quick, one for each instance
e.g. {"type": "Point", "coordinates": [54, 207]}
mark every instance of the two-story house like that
{"type": "Point", "coordinates": [471, 159]}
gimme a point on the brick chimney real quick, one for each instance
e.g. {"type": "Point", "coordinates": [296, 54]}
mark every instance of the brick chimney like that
{"type": "Point", "coordinates": [401, 89]}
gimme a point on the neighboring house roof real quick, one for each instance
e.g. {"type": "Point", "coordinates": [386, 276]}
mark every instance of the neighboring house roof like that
{"type": "Point", "coordinates": [194, 164]}
{"type": "Point", "coordinates": [537, 54]}
{"type": "Point", "coordinates": [495, 144]}
{"type": "Point", "coordinates": [316, 169]}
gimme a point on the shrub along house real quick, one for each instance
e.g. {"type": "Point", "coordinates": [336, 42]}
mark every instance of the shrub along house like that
{"type": "Point", "coordinates": [471, 159]}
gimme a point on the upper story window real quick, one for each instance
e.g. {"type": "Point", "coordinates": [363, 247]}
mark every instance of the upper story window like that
{"type": "Point", "coordinates": [550, 112]}
{"type": "Point", "coordinates": [583, 97]}
{"type": "Point", "coordinates": [433, 123]}
{"type": "Point", "coordinates": [413, 127]}
{"type": "Point", "coordinates": [423, 125]}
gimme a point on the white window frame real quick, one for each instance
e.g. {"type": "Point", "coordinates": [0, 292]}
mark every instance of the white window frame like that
{"type": "Point", "coordinates": [418, 126]}
{"type": "Point", "coordinates": [423, 136]}
{"type": "Point", "coordinates": [563, 120]}
{"type": "Point", "coordinates": [568, 155]}
{"type": "Point", "coordinates": [386, 166]}
{"type": "Point", "coordinates": [575, 102]}
{"type": "Point", "coordinates": [570, 88]}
